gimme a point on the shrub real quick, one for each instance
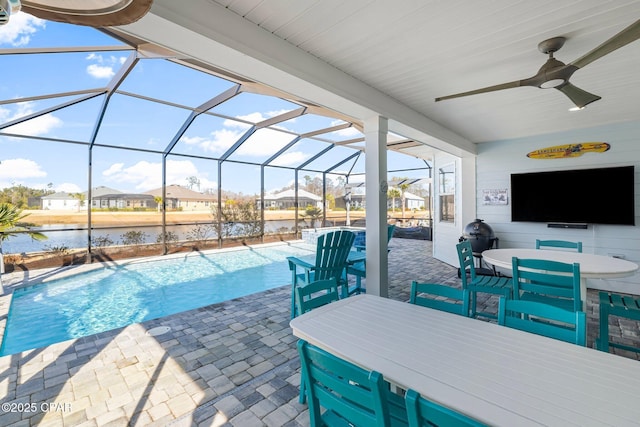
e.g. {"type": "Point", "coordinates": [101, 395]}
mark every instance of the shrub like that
{"type": "Point", "coordinates": [169, 237]}
{"type": "Point", "coordinates": [101, 241]}
{"type": "Point", "coordinates": [134, 237]}
{"type": "Point", "coordinates": [57, 249]}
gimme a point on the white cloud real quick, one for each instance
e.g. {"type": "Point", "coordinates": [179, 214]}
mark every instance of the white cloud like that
{"type": "Point", "coordinates": [38, 126]}
{"type": "Point", "coordinates": [291, 159]}
{"type": "Point", "coordinates": [103, 68]}
{"type": "Point", "coordinates": [20, 28]}
{"type": "Point", "coordinates": [218, 143]}
{"type": "Point", "coordinates": [113, 169]}
{"type": "Point", "coordinates": [100, 71]}
{"type": "Point", "coordinates": [262, 143]}
{"type": "Point", "coordinates": [68, 187]}
{"type": "Point", "coordinates": [17, 169]}
{"type": "Point", "coordinates": [144, 176]}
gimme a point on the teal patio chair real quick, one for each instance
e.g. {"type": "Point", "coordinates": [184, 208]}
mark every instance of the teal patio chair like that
{"type": "Point", "coordinates": [422, 412]}
{"type": "Point", "coordinates": [474, 283]}
{"type": "Point", "coordinates": [559, 244]}
{"type": "Point", "coordinates": [349, 394]}
{"type": "Point", "coordinates": [361, 238]}
{"type": "Point", "coordinates": [612, 304]}
{"type": "Point", "coordinates": [460, 297]}
{"type": "Point", "coordinates": [546, 281]}
{"type": "Point", "coordinates": [358, 269]}
{"type": "Point", "coordinates": [314, 295]}
{"type": "Point", "coordinates": [332, 250]}
{"type": "Point", "coordinates": [544, 319]}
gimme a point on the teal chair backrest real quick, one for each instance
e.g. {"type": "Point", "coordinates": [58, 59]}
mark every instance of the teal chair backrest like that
{"type": "Point", "coordinates": [348, 393]}
{"type": "Point", "coordinates": [547, 278]}
{"type": "Point", "coordinates": [332, 250]}
{"type": "Point", "coordinates": [316, 294]}
{"type": "Point", "coordinates": [390, 229]}
{"type": "Point", "coordinates": [465, 258]}
{"type": "Point", "coordinates": [559, 244]}
{"type": "Point", "coordinates": [425, 413]}
{"type": "Point", "coordinates": [544, 319]}
{"type": "Point", "coordinates": [460, 297]}
{"type": "Point", "coordinates": [360, 242]}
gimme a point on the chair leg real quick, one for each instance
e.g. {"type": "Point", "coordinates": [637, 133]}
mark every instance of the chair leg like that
{"type": "Point", "coordinates": [473, 303]}
{"type": "Point", "coordinates": [293, 300]}
{"type": "Point", "coordinates": [602, 343]}
{"type": "Point", "coordinates": [303, 390]}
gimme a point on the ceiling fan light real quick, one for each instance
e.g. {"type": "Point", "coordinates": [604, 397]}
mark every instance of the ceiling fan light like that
{"type": "Point", "coordinates": [576, 108]}
{"type": "Point", "coordinates": [550, 84]}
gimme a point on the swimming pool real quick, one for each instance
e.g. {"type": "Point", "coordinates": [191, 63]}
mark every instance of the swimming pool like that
{"type": "Point", "coordinates": [116, 296]}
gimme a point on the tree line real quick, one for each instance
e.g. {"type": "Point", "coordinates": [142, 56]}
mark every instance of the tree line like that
{"type": "Point", "coordinates": [19, 195]}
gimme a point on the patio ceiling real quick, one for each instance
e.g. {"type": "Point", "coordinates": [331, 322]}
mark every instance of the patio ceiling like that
{"type": "Point", "coordinates": [362, 57]}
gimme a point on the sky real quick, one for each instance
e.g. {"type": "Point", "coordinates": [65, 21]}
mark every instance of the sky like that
{"type": "Point", "coordinates": [137, 122]}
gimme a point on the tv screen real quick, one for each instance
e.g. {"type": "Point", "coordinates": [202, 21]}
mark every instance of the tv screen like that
{"type": "Point", "coordinates": [581, 196]}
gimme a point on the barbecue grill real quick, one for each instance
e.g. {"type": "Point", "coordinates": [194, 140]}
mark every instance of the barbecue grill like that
{"type": "Point", "coordinates": [481, 236]}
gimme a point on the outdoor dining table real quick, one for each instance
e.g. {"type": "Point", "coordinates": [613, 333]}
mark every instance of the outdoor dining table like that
{"type": "Point", "coordinates": [592, 266]}
{"type": "Point", "coordinates": [498, 375]}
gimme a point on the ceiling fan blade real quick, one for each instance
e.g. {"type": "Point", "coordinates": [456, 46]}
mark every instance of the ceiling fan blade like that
{"type": "Point", "coordinates": [579, 97]}
{"type": "Point", "coordinates": [624, 37]}
{"type": "Point", "coordinates": [509, 85]}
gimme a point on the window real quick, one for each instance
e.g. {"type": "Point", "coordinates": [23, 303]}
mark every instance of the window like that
{"type": "Point", "coordinates": [447, 182]}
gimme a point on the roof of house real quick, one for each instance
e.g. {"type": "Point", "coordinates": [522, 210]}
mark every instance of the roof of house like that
{"type": "Point", "coordinates": [59, 195]}
{"type": "Point", "coordinates": [101, 191]}
{"type": "Point", "coordinates": [175, 191]}
{"type": "Point", "coordinates": [290, 194]}
{"type": "Point", "coordinates": [125, 196]}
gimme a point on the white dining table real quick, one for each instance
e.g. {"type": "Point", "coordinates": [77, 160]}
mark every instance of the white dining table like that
{"type": "Point", "coordinates": [592, 266]}
{"type": "Point", "coordinates": [498, 375]}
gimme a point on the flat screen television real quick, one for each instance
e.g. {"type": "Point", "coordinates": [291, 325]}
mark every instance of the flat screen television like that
{"type": "Point", "coordinates": [581, 196]}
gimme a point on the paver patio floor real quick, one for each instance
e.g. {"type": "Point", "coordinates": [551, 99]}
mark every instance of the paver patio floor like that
{"type": "Point", "coordinates": [232, 363]}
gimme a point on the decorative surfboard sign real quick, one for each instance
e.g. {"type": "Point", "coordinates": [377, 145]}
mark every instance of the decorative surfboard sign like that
{"type": "Point", "coordinates": [569, 150]}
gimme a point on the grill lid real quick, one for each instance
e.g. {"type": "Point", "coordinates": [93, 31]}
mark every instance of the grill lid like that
{"type": "Point", "coordinates": [480, 234]}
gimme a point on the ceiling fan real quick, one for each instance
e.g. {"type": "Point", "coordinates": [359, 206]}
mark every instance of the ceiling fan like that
{"type": "Point", "coordinates": [556, 74]}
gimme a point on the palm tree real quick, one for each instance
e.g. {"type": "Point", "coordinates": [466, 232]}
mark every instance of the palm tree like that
{"type": "Point", "coordinates": [11, 224]}
{"type": "Point", "coordinates": [80, 197]}
{"type": "Point", "coordinates": [393, 194]}
{"type": "Point", "coordinates": [403, 188]}
{"type": "Point", "coordinates": [158, 200]}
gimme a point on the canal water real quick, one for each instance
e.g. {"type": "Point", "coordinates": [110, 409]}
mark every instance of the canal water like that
{"type": "Point", "coordinates": [72, 236]}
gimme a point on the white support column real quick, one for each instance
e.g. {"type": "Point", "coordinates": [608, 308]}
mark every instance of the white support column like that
{"type": "Point", "coordinates": [375, 132]}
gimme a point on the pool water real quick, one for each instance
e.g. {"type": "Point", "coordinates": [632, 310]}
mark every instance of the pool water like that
{"type": "Point", "coordinates": [112, 297]}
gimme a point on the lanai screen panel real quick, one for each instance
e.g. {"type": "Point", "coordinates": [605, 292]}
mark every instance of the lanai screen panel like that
{"type": "Point", "coordinates": [299, 153]}
{"type": "Point", "coordinates": [261, 145]}
{"type": "Point", "coordinates": [51, 73]}
{"type": "Point", "coordinates": [308, 123]}
{"type": "Point", "coordinates": [254, 108]}
{"type": "Point", "coordinates": [74, 122]}
{"type": "Point", "coordinates": [210, 136]}
{"type": "Point", "coordinates": [171, 82]}
{"type": "Point", "coordinates": [139, 123]}
{"type": "Point", "coordinates": [329, 159]}
{"type": "Point", "coordinates": [38, 33]}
